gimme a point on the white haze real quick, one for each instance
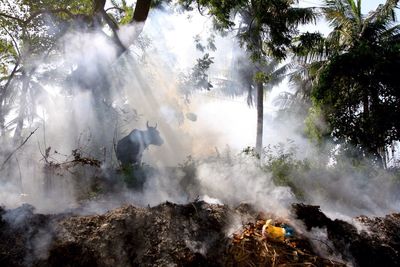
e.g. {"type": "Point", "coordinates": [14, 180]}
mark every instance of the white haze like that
{"type": "Point", "coordinates": [147, 84]}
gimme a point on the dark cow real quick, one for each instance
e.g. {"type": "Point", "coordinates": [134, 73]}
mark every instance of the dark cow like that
{"type": "Point", "coordinates": [130, 148]}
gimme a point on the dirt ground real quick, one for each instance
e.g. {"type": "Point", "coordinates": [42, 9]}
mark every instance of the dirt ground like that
{"type": "Point", "coordinates": [194, 234]}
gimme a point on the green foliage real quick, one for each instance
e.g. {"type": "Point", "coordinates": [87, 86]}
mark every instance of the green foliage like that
{"type": "Point", "coordinates": [210, 45]}
{"type": "Point", "coordinates": [359, 94]}
{"type": "Point", "coordinates": [281, 162]}
{"type": "Point", "coordinates": [355, 85]}
{"type": "Point", "coordinates": [189, 167]}
{"type": "Point", "coordinates": [317, 177]}
{"type": "Point", "coordinates": [199, 72]}
{"type": "Point", "coordinates": [316, 128]}
{"type": "Point", "coordinates": [6, 48]}
{"type": "Point", "coordinates": [187, 172]}
{"type": "Point", "coordinates": [134, 176]}
{"type": "Point", "coordinates": [96, 190]}
{"type": "Point", "coordinates": [30, 31]}
{"type": "Point", "coordinates": [309, 46]}
{"type": "Point", "coordinates": [198, 77]}
{"type": "Point", "coordinates": [251, 151]}
{"type": "Point", "coordinates": [265, 29]}
{"type": "Point", "coordinates": [266, 26]}
{"type": "Point", "coordinates": [8, 56]}
{"type": "Point", "coordinates": [261, 77]}
{"type": "Point", "coordinates": [34, 26]}
{"type": "Point", "coordinates": [128, 11]}
{"type": "Point", "coordinates": [159, 3]}
{"type": "Point", "coordinates": [81, 6]}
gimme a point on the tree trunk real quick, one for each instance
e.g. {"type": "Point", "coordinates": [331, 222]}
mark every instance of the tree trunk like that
{"type": "Point", "coordinates": [3, 96]}
{"type": "Point", "coordinates": [381, 157]}
{"type": "Point", "coordinates": [260, 116]}
{"type": "Point", "coordinates": [142, 8]}
{"type": "Point", "coordinates": [2, 122]}
{"type": "Point", "coordinates": [141, 12]}
{"type": "Point", "coordinates": [366, 106]}
{"type": "Point", "coordinates": [22, 109]}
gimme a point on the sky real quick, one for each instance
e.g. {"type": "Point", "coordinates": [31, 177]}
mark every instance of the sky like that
{"type": "Point", "coordinates": [366, 5]}
{"type": "Point", "coordinates": [322, 26]}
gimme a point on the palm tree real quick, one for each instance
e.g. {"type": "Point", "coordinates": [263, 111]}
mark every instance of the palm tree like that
{"type": "Point", "coordinates": [254, 79]}
{"type": "Point", "coordinates": [266, 40]}
{"type": "Point", "coordinates": [356, 84]}
{"type": "Point", "coordinates": [266, 30]}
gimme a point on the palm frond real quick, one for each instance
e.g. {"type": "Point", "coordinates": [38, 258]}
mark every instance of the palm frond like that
{"type": "Point", "coordinates": [392, 34]}
{"type": "Point", "coordinates": [345, 17]}
{"type": "Point", "coordinates": [355, 10]}
{"type": "Point", "coordinates": [384, 12]}
{"type": "Point", "coordinates": [298, 16]}
{"type": "Point", "coordinates": [309, 46]}
{"type": "Point", "coordinates": [383, 16]}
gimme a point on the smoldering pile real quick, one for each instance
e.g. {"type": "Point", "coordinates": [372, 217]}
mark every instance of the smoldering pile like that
{"type": "Point", "coordinates": [193, 234]}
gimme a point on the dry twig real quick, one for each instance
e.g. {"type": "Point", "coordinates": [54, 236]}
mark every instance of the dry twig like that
{"type": "Point", "coordinates": [15, 150]}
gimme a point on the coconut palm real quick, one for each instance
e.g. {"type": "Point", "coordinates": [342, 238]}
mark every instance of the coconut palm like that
{"type": "Point", "coordinates": [253, 79]}
{"type": "Point", "coordinates": [356, 85]}
{"type": "Point", "coordinates": [266, 30]}
{"type": "Point", "coordinates": [264, 36]}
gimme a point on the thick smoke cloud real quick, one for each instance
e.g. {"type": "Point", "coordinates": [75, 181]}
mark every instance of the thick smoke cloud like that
{"type": "Point", "coordinates": [143, 85]}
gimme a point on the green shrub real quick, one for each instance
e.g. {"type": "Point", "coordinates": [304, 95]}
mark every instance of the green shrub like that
{"type": "Point", "coordinates": [134, 176]}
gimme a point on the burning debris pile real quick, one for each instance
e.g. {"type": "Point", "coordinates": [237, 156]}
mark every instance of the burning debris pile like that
{"type": "Point", "coordinates": [375, 242]}
{"type": "Point", "coordinates": [194, 234]}
{"type": "Point", "coordinates": [263, 244]}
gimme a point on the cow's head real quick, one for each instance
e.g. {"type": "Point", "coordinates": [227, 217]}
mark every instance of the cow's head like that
{"type": "Point", "coordinates": [153, 135]}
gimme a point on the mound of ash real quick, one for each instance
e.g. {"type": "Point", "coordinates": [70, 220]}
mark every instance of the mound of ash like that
{"type": "Point", "coordinates": [22, 234]}
{"type": "Point", "coordinates": [376, 244]}
{"type": "Point", "coordinates": [194, 234]}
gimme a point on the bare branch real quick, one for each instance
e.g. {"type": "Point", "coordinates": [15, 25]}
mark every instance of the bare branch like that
{"type": "Point", "coordinates": [19, 147]}
{"type": "Point", "coordinates": [114, 28]}
{"type": "Point", "coordinates": [13, 40]}
{"type": "Point", "coordinates": [11, 17]}
{"type": "Point", "coordinates": [38, 13]}
{"type": "Point", "coordinates": [115, 7]}
{"type": "Point", "coordinates": [48, 11]}
{"type": "Point", "coordinates": [3, 93]}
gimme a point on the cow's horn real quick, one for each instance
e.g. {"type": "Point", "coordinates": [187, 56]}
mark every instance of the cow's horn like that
{"type": "Point", "coordinates": [147, 124]}
{"type": "Point", "coordinates": [155, 127]}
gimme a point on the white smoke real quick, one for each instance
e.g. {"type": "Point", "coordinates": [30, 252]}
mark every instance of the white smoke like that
{"type": "Point", "coordinates": [144, 86]}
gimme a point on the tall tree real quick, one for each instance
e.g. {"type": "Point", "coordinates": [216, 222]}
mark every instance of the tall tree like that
{"type": "Point", "coordinates": [266, 31]}
{"type": "Point", "coordinates": [30, 30]}
{"type": "Point", "coordinates": [357, 87]}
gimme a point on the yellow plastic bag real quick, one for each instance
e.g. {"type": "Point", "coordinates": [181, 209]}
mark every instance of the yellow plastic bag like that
{"type": "Point", "coordinates": [273, 232]}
